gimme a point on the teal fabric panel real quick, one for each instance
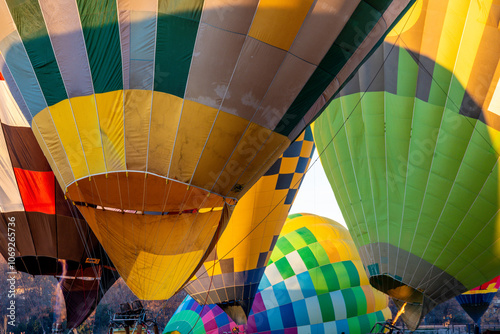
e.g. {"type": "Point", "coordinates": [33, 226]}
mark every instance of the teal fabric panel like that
{"type": "Point", "coordinates": [102, 38]}
{"type": "Point", "coordinates": [31, 27]}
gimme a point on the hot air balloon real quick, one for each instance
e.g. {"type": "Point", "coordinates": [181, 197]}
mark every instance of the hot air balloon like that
{"type": "Point", "coordinates": [246, 244]}
{"type": "Point", "coordinates": [476, 301]}
{"type": "Point", "coordinates": [156, 114]}
{"type": "Point", "coordinates": [411, 153]}
{"type": "Point", "coordinates": [314, 283]}
{"type": "Point", "coordinates": [41, 233]}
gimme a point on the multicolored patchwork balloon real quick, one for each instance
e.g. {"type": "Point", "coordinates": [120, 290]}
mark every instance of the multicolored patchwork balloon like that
{"type": "Point", "coordinates": [314, 282]}
{"type": "Point", "coordinates": [411, 152]}
{"type": "Point", "coordinates": [476, 301]}
{"type": "Point", "coordinates": [156, 114]}
{"type": "Point", "coordinates": [250, 236]}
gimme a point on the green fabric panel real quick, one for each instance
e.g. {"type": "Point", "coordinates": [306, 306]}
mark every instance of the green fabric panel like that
{"type": "Point", "coordinates": [307, 235]}
{"type": "Point", "coordinates": [331, 278]}
{"type": "Point", "coordinates": [352, 35]}
{"type": "Point", "coordinates": [99, 21]}
{"type": "Point", "coordinates": [426, 118]}
{"type": "Point", "coordinates": [342, 275]}
{"type": "Point", "coordinates": [284, 268]}
{"type": "Point", "coordinates": [284, 245]}
{"type": "Point", "coordinates": [398, 140]}
{"type": "Point", "coordinates": [375, 177]}
{"type": "Point", "coordinates": [296, 240]}
{"type": "Point", "coordinates": [441, 78]}
{"type": "Point", "coordinates": [184, 322]}
{"type": "Point", "coordinates": [276, 254]}
{"type": "Point", "coordinates": [351, 303]}
{"type": "Point", "coordinates": [319, 281]}
{"type": "Point", "coordinates": [360, 299]}
{"type": "Point", "coordinates": [354, 326]}
{"type": "Point", "coordinates": [455, 95]}
{"type": "Point", "coordinates": [469, 204]}
{"type": "Point", "coordinates": [320, 254]}
{"type": "Point", "coordinates": [294, 215]}
{"type": "Point", "coordinates": [365, 323]}
{"type": "Point", "coordinates": [355, 141]}
{"type": "Point", "coordinates": [29, 21]}
{"type": "Point", "coordinates": [407, 78]}
{"type": "Point", "coordinates": [308, 257]}
{"type": "Point", "coordinates": [323, 128]}
{"type": "Point", "coordinates": [326, 306]}
{"type": "Point", "coordinates": [353, 273]}
{"type": "Point", "coordinates": [176, 34]}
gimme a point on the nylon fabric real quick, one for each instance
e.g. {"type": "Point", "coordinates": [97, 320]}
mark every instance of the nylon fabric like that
{"type": "Point", "coordinates": [301, 290]}
{"type": "Point", "coordinates": [142, 259]}
{"type": "Point", "coordinates": [233, 271]}
{"type": "Point", "coordinates": [420, 198]}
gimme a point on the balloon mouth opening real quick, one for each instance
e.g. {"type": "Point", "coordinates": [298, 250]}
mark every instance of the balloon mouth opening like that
{"type": "Point", "coordinates": [144, 194]}
{"type": "Point", "coordinates": [397, 289]}
{"type": "Point", "coordinates": [43, 265]}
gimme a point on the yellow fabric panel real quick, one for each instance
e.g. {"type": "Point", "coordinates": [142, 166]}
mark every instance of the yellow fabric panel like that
{"type": "Point", "coordinates": [255, 208]}
{"type": "Point", "coordinates": [164, 121]}
{"type": "Point", "coordinates": [469, 43]}
{"type": "Point", "coordinates": [143, 5]}
{"type": "Point", "coordinates": [307, 147]}
{"type": "Point", "coordinates": [371, 305]}
{"type": "Point", "coordinates": [85, 114]}
{"type": "Point", "coordinates": [331, 250]}
{"type": "Point", "coordinates": [449, 43]}
{"type": "Point", "coordinates": [152, 289]}
{"type": "Point", "coordinates": [361, 269]}
{"type": "Point", "coordinates": [194, 128]}
{"type": "Point", "coordinates": [288, 165]}
{"type": "Point", "coordinates": [65, 124]}
{"type": "Point", "coordinates": [155, 255]}
{"type": "Point", "coordinates": [263, 160]}
{"type": "Point", "coordinates": [46, 135]}
{"type": "Point", "coordinates": [277, 22]}
{"type": "Point", "coordinates": [381, 300]}
{"type": "Point", "coordinates": [212, 267]}
{"type": "Point", "coordinates": [225, 135]}
{"type": "Point", "coordinates": [137, 115]}
{"type": "Point", "coordinates": [110, 109]}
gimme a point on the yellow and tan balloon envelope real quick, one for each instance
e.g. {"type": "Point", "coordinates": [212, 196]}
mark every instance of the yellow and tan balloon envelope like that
{"type": "Point", "coordinates": [411, 152]}
{"type": "Point", "coordinates": [152, 113]}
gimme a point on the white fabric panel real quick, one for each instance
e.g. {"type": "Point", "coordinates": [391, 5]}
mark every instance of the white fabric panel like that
{"type": "Point", "coordinates": [10, 199]}
{"type": "Point", "coordinates": [311, 44]}
{"type": "Point", "coordinates": [257, 66]}
{"type": "Point", "coordinates": [124, 26]}
{"type": "Point", "coordinates": [269, 298]}
{"type": "Point", "coordinates": [289, 81]}
{"type": "Point", "coordinates": [17, 61]}
{"type": "Point", "coordinates": [137, 20]}
{"type": "Point", "coordinates": [313, 310]}
{"type": "Point", "coordinates": [65, 31]}
{"type": "Point", "coordinates": [330, 327]}
{"type": "Point", "coordinates": [142, 49]}
{"type": "Point", "coordinates": [338, 304]}
{"type": "Point", "coordinates": [273, 274]}
{"type": "Point", "coordinates": [14, 90]}
{"type": "Point", "coordinates": [293, 288]}
{"type": "Point", "coordinates": [211, 69]}
{"type": "Point", "coordinates": [10, 113]}
{"type": "Point", "coordinates": [296, 262]}
{"type": "Point", "coordinates": [230, 15]}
